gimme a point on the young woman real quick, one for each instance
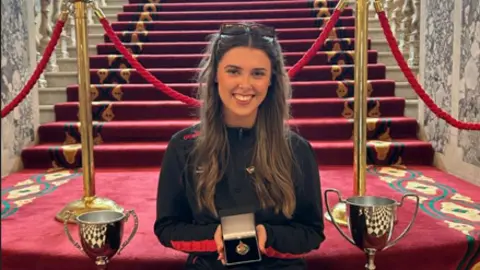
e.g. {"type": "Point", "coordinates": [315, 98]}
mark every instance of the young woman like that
{"type": "Point", "coordinates": [241, 153]}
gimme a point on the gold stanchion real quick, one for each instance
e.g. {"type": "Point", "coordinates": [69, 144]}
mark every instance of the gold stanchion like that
{"type": "Point", "coordinates": [360, 109]}
{"type": "Point", "coordinates": [89, 202]}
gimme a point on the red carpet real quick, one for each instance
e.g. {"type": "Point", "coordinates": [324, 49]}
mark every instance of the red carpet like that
{"type": "Point", "coordinates": [133, 123]}
{"type": "Point", "coordinates": [32, 239]}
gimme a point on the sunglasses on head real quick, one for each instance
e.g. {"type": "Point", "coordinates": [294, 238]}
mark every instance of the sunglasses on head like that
{"type": "Point", "coordinates": [234, 29]}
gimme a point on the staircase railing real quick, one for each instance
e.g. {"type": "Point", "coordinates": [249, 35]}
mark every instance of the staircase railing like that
{"type": "Point", "coordinates": [46, 13]}
{"type": "Point", "coordinates": [404, 18]}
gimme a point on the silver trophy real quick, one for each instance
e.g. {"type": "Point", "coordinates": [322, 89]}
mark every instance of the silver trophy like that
{"type": "Point", "coordinates": [101, 234]}
{"type": "Point", "coordinates": [371, 220]}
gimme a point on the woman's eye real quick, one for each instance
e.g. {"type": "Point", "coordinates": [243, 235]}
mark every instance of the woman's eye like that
{"type": "Point", "coordinates": [233, 71]}
{"type": "Point", "coordinates": [258, 73]}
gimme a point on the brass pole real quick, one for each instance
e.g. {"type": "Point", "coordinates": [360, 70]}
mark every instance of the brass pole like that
{"type": "Point", "coordinates": [360, 110]}
{"type": "Point", "coordinates": [89, 202]}
{"type": "Point", "coordinates": [360, 97]}
{"type": "Point", "coordinates": [85, 107]}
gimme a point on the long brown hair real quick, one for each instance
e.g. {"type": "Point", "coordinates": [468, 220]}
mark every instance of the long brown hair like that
{"type": "Point", "coordinates": [272, 156]}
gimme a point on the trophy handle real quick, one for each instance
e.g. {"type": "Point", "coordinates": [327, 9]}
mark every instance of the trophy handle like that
{"type": "Point", "coordinates": [411, 221]}
{"type": "Point", "coordinates": [68, 214]}
{"type": "Point", "coordinates": [134, 231]}
{"type": "Point", "coordinates": [331, 216]}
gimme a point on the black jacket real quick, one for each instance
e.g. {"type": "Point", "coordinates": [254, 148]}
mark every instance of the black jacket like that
{"type": "Point", "coordinates": [181, 226]}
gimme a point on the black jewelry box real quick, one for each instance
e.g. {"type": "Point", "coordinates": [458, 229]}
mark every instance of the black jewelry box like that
{"type": "Point", "coordinates": [240, 239]}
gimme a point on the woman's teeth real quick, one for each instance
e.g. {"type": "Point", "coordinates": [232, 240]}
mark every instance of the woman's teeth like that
{"type": "Point", "coordinates": [242, 97]}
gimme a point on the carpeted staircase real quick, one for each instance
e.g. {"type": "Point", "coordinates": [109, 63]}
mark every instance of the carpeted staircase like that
{"type": "Point", "coordinates": [134, 121]}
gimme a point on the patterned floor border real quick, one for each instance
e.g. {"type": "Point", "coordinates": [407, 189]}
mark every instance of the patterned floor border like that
{"type": "Point", "coordinates": [26, 191]}
{"type": "Point", "coordinates": [439, 201]}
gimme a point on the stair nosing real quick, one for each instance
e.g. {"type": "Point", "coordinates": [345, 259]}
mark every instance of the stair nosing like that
{"type": "Point", "coordinates": [64, 88]}
{"type": "Point", "coordinates": [75, 73]}
{"type": "Point", "coordinates": [160, 144]}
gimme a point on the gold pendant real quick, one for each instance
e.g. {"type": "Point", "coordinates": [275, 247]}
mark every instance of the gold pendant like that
{"type": "Point", "coordinates": [242, 248]}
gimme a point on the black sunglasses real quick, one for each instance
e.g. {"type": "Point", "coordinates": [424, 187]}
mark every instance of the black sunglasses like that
{"type": "Point", "coordinates": [234, 29]}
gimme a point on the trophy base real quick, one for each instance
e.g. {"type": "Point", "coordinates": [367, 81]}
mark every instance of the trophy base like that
{"type": "Point", "coordinates": [87, 204]}
{"type": "Point", "coordinates": [339, 214]}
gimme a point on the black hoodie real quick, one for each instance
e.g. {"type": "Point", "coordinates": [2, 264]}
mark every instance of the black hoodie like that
{"type": "Point", "coordinates": [181, 226]}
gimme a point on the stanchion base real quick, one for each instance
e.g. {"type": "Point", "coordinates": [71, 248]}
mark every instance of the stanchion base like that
{"type": "Point", "coordinates": [339, 214]}
{"type": "Point", "coordinates": [85, 205]}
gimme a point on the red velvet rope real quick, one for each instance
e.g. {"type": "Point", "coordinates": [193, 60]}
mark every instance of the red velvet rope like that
{"type": "Point", "coordinates": [312, 51]}
{"type": "Point", "coordinates": [38, 70]}
{"type": "Point", "coordinates": [415, 84]}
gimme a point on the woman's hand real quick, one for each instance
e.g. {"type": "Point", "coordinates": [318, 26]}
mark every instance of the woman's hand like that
{"type": "Point", "coordinates": [261, 237]}
{"type": "Point", "coordinates": [261, 240]}
{"type": "Point", "coordinates": [219, 242]}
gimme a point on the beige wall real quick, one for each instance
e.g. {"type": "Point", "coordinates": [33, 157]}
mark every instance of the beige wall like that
{"type": "Point", "coordinates": [450, 73]}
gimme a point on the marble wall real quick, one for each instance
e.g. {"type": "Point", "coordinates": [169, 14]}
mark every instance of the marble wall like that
{"type": "Point", "coordinates": [469, 85]}
{"type": "Point", "coordinates": [450, 73]}
{"type": "Point", "coordinates": [438, 67]}
{"type": "Point", "coordinates": [17, 62]}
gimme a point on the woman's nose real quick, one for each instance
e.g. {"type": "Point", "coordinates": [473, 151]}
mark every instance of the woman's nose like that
{"type": "Point", "coordinates": [246, 81]}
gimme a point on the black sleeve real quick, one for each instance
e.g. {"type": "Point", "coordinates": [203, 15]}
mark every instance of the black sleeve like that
{"type": "Point", "coordinates": [174, 223]}
{"type": "Point", "coordinates": [304, 233]}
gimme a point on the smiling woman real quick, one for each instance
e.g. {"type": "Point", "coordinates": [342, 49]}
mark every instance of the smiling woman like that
{"type": "Point", "coordinates": [241, 155]}
{"type": "Point", "coordinates": [243, 78]}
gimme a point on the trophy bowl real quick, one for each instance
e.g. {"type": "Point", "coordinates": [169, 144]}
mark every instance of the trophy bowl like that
{"type": "Point", "coordinates": [371, 221]}
{"type": "Point", "coordinates": [101, 234]}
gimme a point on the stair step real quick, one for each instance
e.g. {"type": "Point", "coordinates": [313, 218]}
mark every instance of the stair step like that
{"type": "Point", "coordinates": [121, 2]}
{"type": "Point", "coordinates": [52, 95]}
{"type": "Point", "coordinates": [172, 109]}
{"type": "Point", "coordinates": [234, 5]}
{"type": "Point", "coordinates": [215, 24]}
{"type": "Point", "coordinates": [196, 47]}
{"type": "Point", "coordinates": [184, 75]}
{"type": "Point", "coordinates": [192, 60]}
{"type": "Point", "coordinates": [284, 35]}
{"type": "Point", "coordinates": [411, 108]}
{"type": "Point", "coordinates": [47, 112]}
{"type": "Point", "coordinates": [315, 89]}
{"type": "Point", "coordinates": [131, 155]}
{"type": "Point", "coordinates": [114, 9]}
{"type": "Point", "coordinates": [379, 45]}
{"type": "Point", "coordinates": [97, 36]}
{"type": "Point", "coordinates": [229, 14]}
{"type": "Point", "coordinates": [231, 5]}
{"type": "Point", "coordinates": [161, 131]}
{"type": "Point", "coordinates": [63, 79]}
{"type": "Point", "coordinates": [70, 64]}
{"type": "Point", "coordinates": [96, 28]}
{"type": "Point", "coordinates": [197, 1]}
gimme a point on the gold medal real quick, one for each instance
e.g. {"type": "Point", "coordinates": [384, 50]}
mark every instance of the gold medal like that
{"type": "Point", "coordinates": [242, 248]}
